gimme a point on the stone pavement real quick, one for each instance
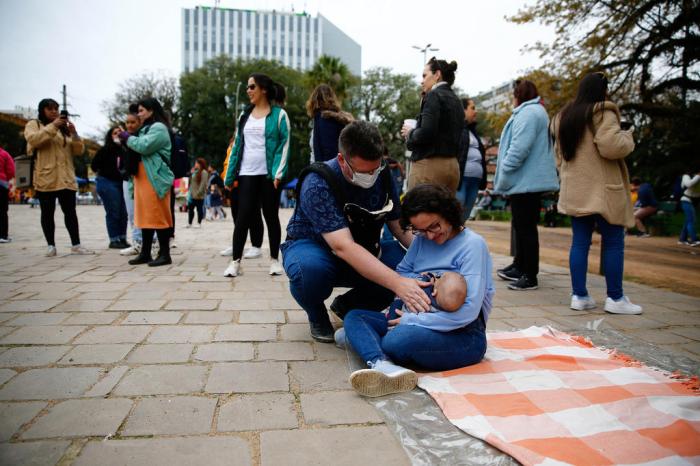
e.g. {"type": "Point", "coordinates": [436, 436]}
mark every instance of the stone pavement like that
{"type": "Point", "coordinates": [103, 363]}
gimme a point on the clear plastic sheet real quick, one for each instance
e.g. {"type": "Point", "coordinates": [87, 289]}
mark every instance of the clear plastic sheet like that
{"type": "Point", "coordinates": [429, 438]}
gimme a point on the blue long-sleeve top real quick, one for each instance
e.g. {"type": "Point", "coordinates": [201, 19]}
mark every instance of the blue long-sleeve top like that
{"type": "Point", "coordinates": [466, 254]}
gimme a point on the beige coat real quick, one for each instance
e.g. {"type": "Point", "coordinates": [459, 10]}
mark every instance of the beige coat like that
{"type": "Point", "coordinates": [53, 168]}
{"type": "Point", "coordinates": [596, 181]}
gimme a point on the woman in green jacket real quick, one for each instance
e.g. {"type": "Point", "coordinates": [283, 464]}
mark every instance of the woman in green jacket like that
{"type": "Point", "coordinates": [259, 163]}
{"type": "Point", "coordinates": [152, 182]}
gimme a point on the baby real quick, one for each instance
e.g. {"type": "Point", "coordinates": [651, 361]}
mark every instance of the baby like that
{"type": "Point", "coordinates": [447, 293]}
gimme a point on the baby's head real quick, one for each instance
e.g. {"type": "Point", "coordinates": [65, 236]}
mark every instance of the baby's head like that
{"type": "Point", "coordinates": [450, 291]}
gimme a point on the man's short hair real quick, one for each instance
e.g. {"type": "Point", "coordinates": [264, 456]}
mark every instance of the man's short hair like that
{"type": "Point", "coordinates": [361, 139]}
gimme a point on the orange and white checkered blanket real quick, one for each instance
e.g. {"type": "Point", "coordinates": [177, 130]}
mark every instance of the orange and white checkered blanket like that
{"type": "Point", "coordinates": [548, 398]}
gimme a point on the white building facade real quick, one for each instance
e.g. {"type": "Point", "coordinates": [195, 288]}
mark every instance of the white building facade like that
{"type": "Point", "coordinates": [294, 39]}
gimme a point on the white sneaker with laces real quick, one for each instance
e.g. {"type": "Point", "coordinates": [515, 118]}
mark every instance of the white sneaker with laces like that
{"type": "Point", "coordinates": [233, 269]}
{"type": "Point", "coordinates": [622, 306]}
{"type": "Point", "coordinates": [132, 250]}
{"type": "Point", "coordinates": [5, 240]}
{"type": "Point", "coordinates": [694, 244]}
{"type": "Point", "coordinates": [276, 268]}
{"type": "Point", "coordinates": [582, 303]}
{"type": "Point", "coordinates": [78, 250]}
{"type": "Point", "coordinates": [252, 253]}
{"type": "Point", "coordinates": [227, 252]}
{"type": "Point", "coordinates": [383, 378]}
{"type": "Point", "coordinates": [51, 251]}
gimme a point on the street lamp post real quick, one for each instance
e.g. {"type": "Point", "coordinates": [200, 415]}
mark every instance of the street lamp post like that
{"type": "Point", "coordinates": [425, 50]}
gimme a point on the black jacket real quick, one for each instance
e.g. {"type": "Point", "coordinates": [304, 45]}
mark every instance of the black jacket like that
{"type": "Point", "coordinates": [106, 162]}
{"type": "Point", "coordinates": [464, 150]}
{"type": "Point", "coordinates": [439, 125]}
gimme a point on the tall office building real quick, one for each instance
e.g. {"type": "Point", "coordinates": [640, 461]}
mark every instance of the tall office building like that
{"type": "Point", "coordinates": [295, 39]}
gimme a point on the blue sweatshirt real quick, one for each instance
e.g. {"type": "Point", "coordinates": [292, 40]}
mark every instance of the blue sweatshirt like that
{"type": "Point", "coordinates": [466, 254]}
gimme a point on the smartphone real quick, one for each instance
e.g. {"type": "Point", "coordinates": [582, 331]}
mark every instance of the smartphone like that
{"type": "Point", "coordinates": [64, 114]}
{"type": "Point", "coordinates": [625, 125]}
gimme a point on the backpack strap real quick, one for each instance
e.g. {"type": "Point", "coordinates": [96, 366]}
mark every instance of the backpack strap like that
{"type": "Point", "coordinates": [325, 172]}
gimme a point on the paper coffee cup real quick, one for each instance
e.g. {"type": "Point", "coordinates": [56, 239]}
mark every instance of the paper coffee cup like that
{"type": "Point", "coordinates": [410, 122]}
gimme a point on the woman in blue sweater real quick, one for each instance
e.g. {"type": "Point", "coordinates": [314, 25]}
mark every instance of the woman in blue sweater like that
{"type": "Point", "coordinates": [435, 341]}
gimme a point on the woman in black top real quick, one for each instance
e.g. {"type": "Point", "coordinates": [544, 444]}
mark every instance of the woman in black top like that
{"type": "Point", "coordinates": [435, 139]}
{"type": "Point", "coordinates": [109, 187]}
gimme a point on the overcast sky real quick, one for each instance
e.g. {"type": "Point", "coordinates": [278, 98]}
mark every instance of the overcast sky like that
{"type": "Point", "coordinates": [92, 46]}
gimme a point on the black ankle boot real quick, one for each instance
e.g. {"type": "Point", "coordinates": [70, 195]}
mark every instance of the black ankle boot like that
{"type": "Point", "coordinates": [143, 258]}
{"type": "Point", "coordinates": [162, 259]}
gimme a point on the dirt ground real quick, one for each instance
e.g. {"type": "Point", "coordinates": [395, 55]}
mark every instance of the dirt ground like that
{"type": "Point", "coordinates": [655, 261]}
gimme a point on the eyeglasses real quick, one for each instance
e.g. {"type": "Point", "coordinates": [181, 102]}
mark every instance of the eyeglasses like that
{"type": "Point", "coordinates": [381, 167]}
{"type": "Point", "coordinates": [433, 228]}
{"type": "Point", "coordinates": [251, 87]}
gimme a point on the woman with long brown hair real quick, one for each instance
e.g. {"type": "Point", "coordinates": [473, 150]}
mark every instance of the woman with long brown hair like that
{"type": "Point", "coordinates": [329, 121]}
{"type": "Point", "coordinates": [197, 191]}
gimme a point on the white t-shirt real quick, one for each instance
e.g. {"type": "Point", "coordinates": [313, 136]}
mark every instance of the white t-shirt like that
{"type": "Point", "coordinates": [254, 159]}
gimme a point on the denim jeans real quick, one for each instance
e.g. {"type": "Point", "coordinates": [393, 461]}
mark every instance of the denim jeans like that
{"type": "Point", "coordinates": [314, 271]}
{"type": "Point", "coordinates": [466, 194]}
{"type": "Point", "coordinates": [369, 335]}
{"type": "Point", "coordinates": [613, 244]}
{"type": "Point", "coordinates": [129, 202]}
{"type": "Point", "coordinates": [116, 216]}
{"type": "Point", "coordinates": [688, 232]}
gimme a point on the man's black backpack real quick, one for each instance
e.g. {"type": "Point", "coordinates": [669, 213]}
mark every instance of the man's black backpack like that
{"type": "Point", "coordinates": [365, 226]}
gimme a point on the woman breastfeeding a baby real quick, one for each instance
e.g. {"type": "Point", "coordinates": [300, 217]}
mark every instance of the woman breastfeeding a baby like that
{"type": "Point", "coordinates": [456, 262]}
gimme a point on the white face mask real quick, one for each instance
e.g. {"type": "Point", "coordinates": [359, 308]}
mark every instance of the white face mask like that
{"type": "Point", "coordinates": [116, 141]}
{"type": "Point", "coordinates": [364, 180]}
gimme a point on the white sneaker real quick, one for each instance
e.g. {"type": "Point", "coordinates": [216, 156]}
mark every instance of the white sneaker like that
{"type": "Point", "coordinates": [78, 250]}
{"type": "Point", "coordinates": [276, 267]}
{"type": "Point", "coordinates": [227, 252]}
{"type": "Point", "coordinates": [132, 250]}
{"type": "Point", "coordinates": [51, 251]}
{"type": "Point", "coordinates": [693, 244]}
{"type": "Point", "coordinates": [622, 306]}
{"type": "Point", "coordinates": [189, 225]}
{"type": "Point", "coordinates": [5, 240]}
{"type": "Point", "coordinates": [198, 225]}
{"type": "Point", "coordinates": [382, 379]}
{"type": "Point", "coordinates": [252, 253]}
{"type": "Point", "coordinates": [233, 269]}
{"type": "Point", "coordinates": [581, 303]}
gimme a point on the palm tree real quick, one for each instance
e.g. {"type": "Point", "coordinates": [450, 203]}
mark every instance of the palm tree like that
{"type": "Point", "coordinates": [332, 71]}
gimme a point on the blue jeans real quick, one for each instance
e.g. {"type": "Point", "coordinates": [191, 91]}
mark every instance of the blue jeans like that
{"type": "Point", "coordinates": [314, 271]}
{"type": "Point", "coordinates": [369, 335]}
{"type": "Point", "coordinates": [688, 231]}
{"type": "Point", "coordinates": [116, 216]}
{"type": "Point", "coordinates": [466, 194]}
{"type": "Point", "coordinates": [613, 244]}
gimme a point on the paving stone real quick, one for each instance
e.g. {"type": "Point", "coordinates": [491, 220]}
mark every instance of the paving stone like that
{"type": "Point", "coordinates": [295, 332]}
{"type": "Point", "coordinates": [247, 304]}
{"type": "Point", "coordinates": [238, 332]}
{"type": "Point", "coordinates": [30, 305]}
{"type": "Point", "coordinates": [92, 318]}
{"type": "Point", "coordinates": [319, 376]}
{"type": "Point", "coordinates": [248, 377]}
{"type": "Point", "coordinates": [332, 408]}
{"type": "Point", "coordinates": [6, 374]}
{"type": "Point", "coordinates": [182, 334]}
{"type": "Point", "coordinates": [6, 330]}
{"type": "Point", "coordinates": [210, 451]}
{"type": "Point", "coordinates": [261, 317]}
{"type": "Point", "coordinates": [692, 333]}
{"type": "Point", "coordinates": [39, 335]}
{"type": "Point", "coordinates": [39, 318]}
{"type": "Point", "coordinates": [15, 415]}
{"type": "Point", "coordinates": [192, 304]}
{"type": "Point", "coordinates": [50, 383]}
{"type": "Point", "coordinates": [162, 380]}
{"type": "Point", "coordinates": [367, 444]}
{"type": "Point", "coordinates": [187, 295]}
{"type": "Point", "coordinates": [155, 317]}
{"type": "Point", "coordinates": [137, 305]}
{"type": "Point", "coordinates": [659, 338]}
{"type": "Point", "coordinates": [97, 354]}
{"type": "Point", "coordinates": [32, 453]}
{"type": "Point", "coordinates": [171, 416]}
{"type": "Point", "coordinates": [114, 334]}
{"type": "Point", "coordinates": [224, 352]}
{"type": "Point", "coordinates": [147, 295]}
{"type": "Point", "coordinates": [297, 317]}
{"type": "Point", "coordinates": [81, 418]}
{"type": "Point", "coordinates": [209, 317]}
{"type": "Point", "coordinates": [108, 382]}
{"type": "Point", "coordinates": [102, 286]}
{"type": "Point", "coordinates": [88, 304]}
{"type": "Point", "coordinates": [161, 353]}
{"type": "Point", "coordinates": [292, 351]}
{"type": "Point", "coordinates": [258, 412]}
{"type": "Point", "coordinates": [25, 356]}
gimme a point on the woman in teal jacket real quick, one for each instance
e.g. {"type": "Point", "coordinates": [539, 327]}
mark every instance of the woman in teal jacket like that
{"type": "Point", "coordinates": [259, 163]}
{"type": "Point", "coordinates": [525, 170]}
{"type": "Point", "coordinates": [152, 181]}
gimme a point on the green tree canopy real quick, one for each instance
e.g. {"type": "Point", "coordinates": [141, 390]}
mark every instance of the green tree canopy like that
{"type": "Point", "coordinates": [332, 71]}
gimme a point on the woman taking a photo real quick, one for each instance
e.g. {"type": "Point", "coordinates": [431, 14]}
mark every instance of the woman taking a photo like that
{"type": "Point", "coordinates": [109, 187]}
{"type": "Point", "coordinates": [435, 139]}
{"type": "Point", "coordinates": [55, 142]}
{"type": "Point", "coordinates": [434, 341]}
{"type": "Point", "coordinates": [329, 121]}
{"type": "Point", "coordinates": [524, 172]}
{"type": "Point", "coordinates": [258, 161]}
{"type": "Point", "coordinates": [152, 181]}
{"type": "Point", "coordinates": [197, 191]}
{"type": "Point", "coordinates": [595, 188]}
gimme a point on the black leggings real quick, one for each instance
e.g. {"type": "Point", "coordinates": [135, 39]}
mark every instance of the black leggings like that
{"type": "Point", "coordinates": [47, 203]}
{"type": "Point", "coordinates": [163, 241]}
{"type": "Point", "coordinates": [197, 204]}
{"type": "Point", "coordinates": [526, 215]}
{"type": "Point", "coordinates": [256, 224]}
{"type": "Point", "coordinates": [4, 201]}
{"type": "Point", "coordinates": [255, 192]}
